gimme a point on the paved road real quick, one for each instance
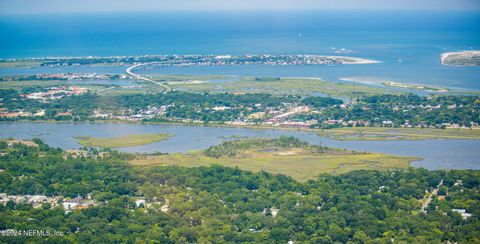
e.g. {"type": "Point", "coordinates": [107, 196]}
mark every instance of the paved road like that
{"type": "Point", "coordinates": [429, 198]}
{"type": "Point", "coordinates": [105, 89]}
{"type": "Point", "coordinates": [139, 77]}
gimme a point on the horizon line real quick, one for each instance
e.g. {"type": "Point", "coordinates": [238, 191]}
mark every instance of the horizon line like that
{"type": "Point", "coordinates": [227, 10]}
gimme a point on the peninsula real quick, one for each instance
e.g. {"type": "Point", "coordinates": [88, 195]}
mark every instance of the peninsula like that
{"type": "Point", "coordinates": [464, 58]}
{"type": "Point", "coordinates": [187, 60]}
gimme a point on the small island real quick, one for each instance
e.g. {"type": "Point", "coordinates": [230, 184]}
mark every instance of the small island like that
{"type": "Point", "coordinates": [464, 58]}
{"type": "Point", "coordinates": [122, 141]}
{"type": "Point", "coordinates": [415, 86]}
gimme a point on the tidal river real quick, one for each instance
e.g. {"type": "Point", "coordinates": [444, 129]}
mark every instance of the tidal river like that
{"type": "Point", "coordinates": [436, 154]}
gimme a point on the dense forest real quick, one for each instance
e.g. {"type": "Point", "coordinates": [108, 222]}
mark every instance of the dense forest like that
{"type": "Point", "coordinates": [228, 205]}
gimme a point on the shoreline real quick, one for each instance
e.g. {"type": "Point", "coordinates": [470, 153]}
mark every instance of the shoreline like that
{"type": "Point", "coordinates": [320, 132]}
{"type": "Point", "coordinates": [470, 54]}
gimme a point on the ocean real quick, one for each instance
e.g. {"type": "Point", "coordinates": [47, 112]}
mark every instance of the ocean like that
{"type": "Point", "coordinates": [409, 43]}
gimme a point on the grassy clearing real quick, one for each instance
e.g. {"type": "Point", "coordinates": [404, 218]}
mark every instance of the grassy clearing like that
{"type": "Point", "coordinates": [298, 163]}
{"type": "Point", "coordinates": [384, 133]}
{"type": "Point", "coordinates": [301, 86]}
{"type": "Point", "coordinates": [122, 141]}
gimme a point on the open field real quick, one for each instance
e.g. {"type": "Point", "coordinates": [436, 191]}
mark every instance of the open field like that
{"type": "Point", "coordinates": [295, 162]}
{"type": "Point", "coordinates": [281, 86]}
{"type": "Point", "coordinates": [122, 141]}
{"type": "Point", "coordinates": [386, 133]}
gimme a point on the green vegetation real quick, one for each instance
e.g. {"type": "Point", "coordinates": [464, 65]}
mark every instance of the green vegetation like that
{"type": "Point", "coordinates": [231, 148]}
{"type": "Point", "coordinates": [281, 86]}
{"type": "Point", "coordinates": [19, 63]}
{"type": "Point", "coordinates": [285, 155]}
{"type": "Point", "coordinates": [464, 58]}
{"type": "Point", "coordinates": [180, 78]}
{"type": "Point", "coordinates": [254, 109]}
{"type": "Point", "coordinates": [227, 205]}
{"type": "Point", "coordinates": [122, 141]}
{"type": "Point", "coordinates": [403, 110]}
{"type": "Point", "coordinates": [415, 86]}
{"type": "Point", "coordinates": [321, 102]}
{"type": "Point", "coordinates": [19, 85]}
{"type": "Point", "coordinates": [29, 86]}
{"type": "Point", "coordinates": [387, 133]}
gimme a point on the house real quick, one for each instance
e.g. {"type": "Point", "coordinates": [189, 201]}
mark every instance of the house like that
{"type": "Point", "coordinates": [462, 212]}
{"type": "Point", "coordinates": [273, 211]}
{"type": "Point", "coordinates": [37, 199]}
{"type": "Point", "coordinates": [295, 124]}
{"type": "Point", "coordinates": [77, 203]}
{"type": "Point", "coordinates": [34, 200]}
{"type": "Point", "coordinates": [165, 208]}
{"type": "Point", "coordinates": [75, 153]}
{"type": "Point", "coordinates": [331, 121]}
{"type": "Point", "coordinates": [67, 113]}
{"type": "Point", "coordinates": [72, 203]}
{"type": "Point", "coordinates": [387, 123]}
{"type": "Point", "coordinates": [257, 115]}
{"type": "Point", "coordinates": [453, 126]}
{"type": "Point", "coordinates": [140, 202]}
{"type": "Point", "coordinates": [220, 108]}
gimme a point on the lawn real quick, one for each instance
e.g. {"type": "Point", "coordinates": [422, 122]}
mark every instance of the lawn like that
{"type": "Point", "coordinates": [122, 141]}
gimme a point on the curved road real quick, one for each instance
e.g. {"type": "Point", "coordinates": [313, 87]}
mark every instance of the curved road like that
{"type": "Point", "coordinates": [139, 77]}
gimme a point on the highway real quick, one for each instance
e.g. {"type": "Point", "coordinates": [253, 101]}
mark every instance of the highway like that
{"type": "Point", "coordinates": [139, 77]}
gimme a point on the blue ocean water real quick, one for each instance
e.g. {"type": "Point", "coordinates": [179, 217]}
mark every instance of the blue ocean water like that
{"type": "Point", "coordinates": [408, 43]}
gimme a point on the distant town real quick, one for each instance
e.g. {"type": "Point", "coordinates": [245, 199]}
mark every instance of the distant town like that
{"type": "Point", "coordinates": [188, 60]}
{"type": "Point", "coordinates": [283, 112]}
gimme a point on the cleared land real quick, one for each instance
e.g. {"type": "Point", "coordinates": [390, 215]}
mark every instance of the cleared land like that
{"type": "Point", "coordinates": [122, 141]}
{"type": "Point", "coordinates": [300, 163]}
{"type": "Point", "coordinates": [281, 86]}
{"type": "Point", "coordinates": [385, 133]}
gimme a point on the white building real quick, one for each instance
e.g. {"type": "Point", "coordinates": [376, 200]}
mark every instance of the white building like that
{"type": "Point", "coordinates": [140, 202]}
{"type": "Point", "coordinates": [72, 203]}
{"type": "Point", "coordinates": [462, 212]}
